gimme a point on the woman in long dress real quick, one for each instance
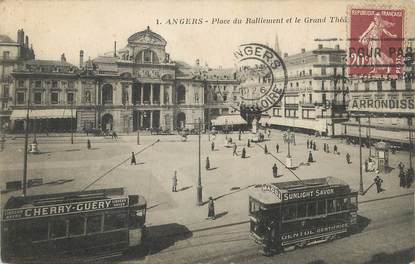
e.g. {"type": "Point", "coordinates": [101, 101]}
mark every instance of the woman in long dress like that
{"type": "Point", "coordinates": [372, 38]}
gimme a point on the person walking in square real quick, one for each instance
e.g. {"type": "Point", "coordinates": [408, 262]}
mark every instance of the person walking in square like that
{"type": "Point", "coordinates": [348, 158]}
{"type": "Point", "coordinates": [211, 209]}
{"type": "Point", "coordinates": [269, 133]}
{"type": "Point", "coordinates": [212, 146]}
{"type": "Point", "coordinates": [88, 144]}
{"type": "Point", "coordinates": [234, 150]}
{"type": "Point", "coordinates": [324, 147]}
{"type": "Point", "coordinates": [239, 136]}
{"type": "Point", "coordinates": [314, 146]}
{"type": "Point", "coordinates": [335, 149]}
{"type": "Point", "coordinates": [401, 167]}
{"type": "Point", "coordinates": [328, 148]}
{"type": "Point", "coordinates": [402, 179]}
{"type": "Point", "coordinates": [275, 170]}
{"type": "Point", "coordinates": [310, 156]}
{"type": "Point", "coordinates": [277, 147]}
{"type": "Point", "coordinates": [207, 163]}
{"type": "Point", "coordinates": [174, 182]}
{"type": "Point", "coordinates": [243, 155]}
{"type": "Point", "coordinates": [133, 161]}
{"type": "Point", "coordinates": [378, 181]}
{"type": "Point", "coordinates": [249, 143]}
{"type": "Point", "coordinates": [265, 149]}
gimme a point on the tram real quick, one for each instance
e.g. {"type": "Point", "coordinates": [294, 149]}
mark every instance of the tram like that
{"type": "Point", "coordinates": [292, 214]}
{"type": "Point", "coordinates": [72, 226]}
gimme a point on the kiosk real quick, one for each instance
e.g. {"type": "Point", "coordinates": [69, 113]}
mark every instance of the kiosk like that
{"type": "Point", "coordinates": [382, 155]}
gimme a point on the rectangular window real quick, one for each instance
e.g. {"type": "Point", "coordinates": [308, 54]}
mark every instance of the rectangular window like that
{"type": "Point", "coordinates": [379, 85]}
{"type": "Point", "coordinates": [321, 207]}
{"type": "Point", "coordinates": [20, 98]}
{"type": "Point", "coordinates": [20, 83]}
{"type": "Point", "coordinates": [6, 91]}
{"type": "Point", "coordinates": [54, 84]}
{"type": "Point", "coordinates": [54, 98]}
{"type": "Point", "coordinates": [367, 86]}
{"type": "Point", "coordinates": [76, 226]}
{"type": "Point", "coordinates": [115, 221]}
{"type": "Point", "coordinates": [356, 86]}
{"type": "Point", "coordinates": [93, 224]}
{"type": "Point", "coordinates": [40, 230]}
{"type": "Point", "coordinates": [311, 209]}
{"type": "Point", "coordinates": [289, 212]}
{"type": "Point", "coordinates": [301, 210]}
{"type": "Point", "coordinates": [38, 98]}
{"type": "Point", "coordinates": [408, 85]}
{"type": "Point", "coordinates": [6, 55]}
{"type": "Point", "coordinates": [70, 98]}
{"type": "Point", "coordinates": [323, 71]}
{"type": "Point", "coordinates": [341, 204]}
{"type": "Point", "coordinates": [71, 84]}
{"type": "Point", "coordinates": [58, 228]}
{"type": "Point", "coordinates": [393, 85]}
{"type": "Point", "coordinates": [38, 84]}
{"type": "Point", "coordinates": [331, 205]}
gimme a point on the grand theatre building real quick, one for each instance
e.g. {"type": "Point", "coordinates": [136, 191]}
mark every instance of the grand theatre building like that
{"type": "Point", "coordinates": [136, 87]}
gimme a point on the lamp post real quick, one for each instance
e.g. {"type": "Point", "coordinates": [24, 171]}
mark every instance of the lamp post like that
{"type": "Point", "coordinates": [26, 139]}
{"type": "Point", "coordinates": [199, 201]}
{"type": "Point", "coordinates": [288, 137]}
{"type": "Point", "coordinates": [72, 119]}
{"type": "Point", "coordinates": [370, 145]}
{"type": "Point", "coordinates": [361, 192]}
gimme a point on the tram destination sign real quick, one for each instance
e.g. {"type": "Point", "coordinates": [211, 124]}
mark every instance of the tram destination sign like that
{"type": "Point", "coordinates": [286, 195]}
{"type": "Point", "coordinates": [63, 209]}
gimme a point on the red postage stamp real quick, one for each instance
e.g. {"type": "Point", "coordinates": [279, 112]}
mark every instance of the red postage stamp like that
{"type": "Point", "coordinates": [376, 40]}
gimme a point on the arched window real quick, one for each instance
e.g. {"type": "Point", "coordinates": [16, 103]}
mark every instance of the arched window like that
{"type": "Point", "coordinates": [107, 94]}
{"type": "Point", "coordinates": [147, 56]}
{"type": "Point", "coordinates": [181, 94]}
{"type": "Point", "coordinates": [88, 96]}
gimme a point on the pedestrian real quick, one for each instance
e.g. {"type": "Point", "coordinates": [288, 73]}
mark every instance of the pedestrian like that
{"type": "Point", "coordinates": [401, 167]}
{"type": "Point", "coordinates": [115, 134]}
{"type": "Point", "coordinates": [348, 158]}
{"type": "Point", "coordinates": [207, 163]}
{"type": "Point", "coordinates": [239, 136]}
{"type": "Point", "coordinates": [277, 147]}
{"type": "Point", "coordinates": [378, 181]}
{"type": "Point", "coordinates": [234, 150]}
{"type": "Point", "coordinates": [249, 143]}
{"type": "Point", "coordinates": [269, 133]}
{"type": "Point", "coordinates": [174, 182]}
{"type": "Point", "coordinates": [335, 149]}
{"type": "Point", "coordinates": [112, 134]}
{"type": "Point", "coordinates": [211, 209]}
{"type": "Point", "coordinates": [324, 147]}
{"type": "Point", "coordinates": [314, 146]}
{"type": "Point", "coordinates": [243, 155]}
{"type": "Point", "coordinates": [265, 149]}
{"type": "Point", "coordinates": [310, 156]}
{"type": "Point", "coordinates": [133, 159]}
{"type": "Point", "coordinates": [402, 179]}
{"type": "Point", "coordinates": [308, 144]}
{"type": "Point", "coordinates": [88, 144]}
{"type": "Point", "coordinates": [328, 148]}
{"type": "Point", "coordinates": [212, 145]}
{"type": "Point", "coordinates": [366, 165]}
{"type": "Point", "coordinates": [214, 136]}
{"type": "Point", "coordinates": [275, 170]}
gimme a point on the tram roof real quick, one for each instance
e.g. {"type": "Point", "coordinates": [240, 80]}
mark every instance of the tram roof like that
{"type": "Point", "coordinates": [306, 184]}
{"type": "Point", "coordinates": [66, 197]}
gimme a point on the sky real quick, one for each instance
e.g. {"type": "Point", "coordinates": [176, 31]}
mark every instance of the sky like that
{"type": "Point", "coordinates": [56, 27]}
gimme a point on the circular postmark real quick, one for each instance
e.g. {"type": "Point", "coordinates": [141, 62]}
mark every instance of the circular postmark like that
{"type": "Point", "coordinates": [262, 77]}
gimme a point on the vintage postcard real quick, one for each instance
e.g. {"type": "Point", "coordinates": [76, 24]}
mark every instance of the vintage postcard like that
{"type": "Point", "coordinates": [207, 131]}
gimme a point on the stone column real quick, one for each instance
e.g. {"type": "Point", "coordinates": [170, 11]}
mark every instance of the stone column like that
{"type": "Point", "coordinates": [130, 94]}
{"type": "Point", "coordinates": [151, 93]}
{"type": "Point", "coordinates": [151, 116]}
{"type": "Point", "coordinates": [170, 94]}
{"type": "Point", "coordinates": [142, 94]}
{"type": "Point", "coordinates": [161, 94]}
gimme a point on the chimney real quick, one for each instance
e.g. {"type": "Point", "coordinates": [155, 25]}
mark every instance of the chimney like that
{"type": "Point", "coordinates": [21, 38]}
{"type": "Point", "coordinates": [18, 36]}
{"type": "Point", "coordinates": [27, 42]}
{"type": "Point", "coordinates": [197, 62]}
{"type": "Point", "coordinates": [63, 58]}
{"type": "Point", "coordinates": [81, 58]}
{"type": "Point", "coordinates": [115, 48]}
{"type": "Point", "coordinates": [320, 46]}
{"type": "Point", "coordinates": [285, 55]}
{"type": "Point", "coordinates": [337, 46]}
{"type": "Point", "coordinates": [302, 50]}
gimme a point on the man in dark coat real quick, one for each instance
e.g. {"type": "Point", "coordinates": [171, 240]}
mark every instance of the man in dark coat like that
{"type": "Point", "coordinates": [402, 179]}
{"type": "Point", "coordinates": [207, 163]}
{"type": "Point", "coordinates": [234, 153]}
{"type": "Point", "coordinates": [174, 182]}
{"type": "Point", "coordinates": [243, 155]}
{"type": "Point", "coordinates": [275, 170]}
{"type": "Point", "coordinates": [277, 147]}
{"type": "Point", "coordinates": [348, 158]}
{"type": "Point", "coordinates": [378, 181]}
{"type": "Point", "coordinates": [265, 149]}
{"type": "Point", "coordinates": [314, 145]}
{"type": "Point", "coordinates": [212, 145]}
{"type": "Point", "coordinates": [88, 144]}
{"type": "Point", "coordinates": [308, 144]}
{"type": "Point", "coordinates": [335, 149]}
{"type": "Point", "coordinates": [249, 143]}
{"type": "Point", "coordinates": [133, 159]}
{"type": "Point", "coordinates": [211, 209]}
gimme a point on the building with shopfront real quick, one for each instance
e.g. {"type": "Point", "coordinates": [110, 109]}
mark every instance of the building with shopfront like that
{"type": "Point", "coordinates": [136, 87]}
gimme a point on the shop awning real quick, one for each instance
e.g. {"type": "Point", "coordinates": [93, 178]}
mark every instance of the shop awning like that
{"type": "Point", "coordinates": [228, 120]}
{"type": "Point", "coordinates": [43, 113]}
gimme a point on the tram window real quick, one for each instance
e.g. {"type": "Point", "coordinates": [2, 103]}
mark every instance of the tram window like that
{"type": "Point", "coordinates": [331, 206]}
{"type": "Point", "coordinates": [311, 209]}
{"type": "Point", "coordinates": [301, 212]}
{"type": "Point", "coordinates": [341, 204]}
{"type": "Point", "coordinates": [254, 207]}
{"type": "Point", "coordinates": [353, 202]}
{"type": "Point", "coordinates": [115, 221]}
{"type": "Point", "coordinates": [58, 228]}
{"type": "Point", "coordinates": [289, 212]}
{"type": "Point", "coordinates": [93, 224]}
{"type": "Point", "coordinates": [40, 231]}
{"type": "Point", "coordinates": [76, 226]}
{"type": "Point", "coordinates": [321, 207]}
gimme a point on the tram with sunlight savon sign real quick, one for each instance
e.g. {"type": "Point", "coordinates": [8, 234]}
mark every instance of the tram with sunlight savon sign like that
{"type": "Point", "coordinates": [292, 214]}
{"type": "Point", "coordinates": [72, 225]}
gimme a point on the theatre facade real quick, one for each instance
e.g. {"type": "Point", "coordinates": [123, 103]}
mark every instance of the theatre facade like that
{"type": "Point", "coordinates": [136, 87]}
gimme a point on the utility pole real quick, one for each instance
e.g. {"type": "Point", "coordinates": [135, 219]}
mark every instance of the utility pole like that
{"type": "Point", "coordinates": [370, 145]}
{"type": "Point", "coordinates": [26, 139]}
{"type": "Point", "coordinates": [72, 119]}
{"type": "Point", "coordinates": [361, 191]}
{"type": "Point", "coordinates": [199, 201]}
